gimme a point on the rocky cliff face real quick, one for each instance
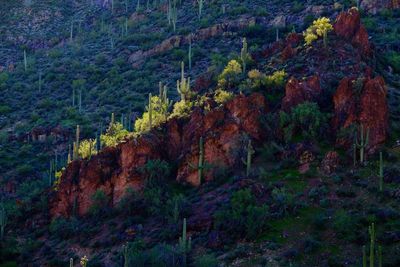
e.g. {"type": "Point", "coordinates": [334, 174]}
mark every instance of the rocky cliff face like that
{"type": "Point", "coordinates": [116, 169]}
{"type": "Point", "coordinates": [348, 26]}
{"type": "Point", "coordinates": [362, 102]}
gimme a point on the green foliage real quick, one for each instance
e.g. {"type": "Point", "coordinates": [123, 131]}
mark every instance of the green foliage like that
{"type": "Point", "coordinates": [63, 228]}
{"type": "Point", "coordinates": [230, 76]}
{"type": "Point", "coordinates": [243, 216]}
{"type": "Point", "coordinates": [222, 96]}
{"type": "Point", "coordinates": [182, 109]}
{"type": "Point", "coordinates": [157, 110]}
{"type": "Point", "coordinates": [393, 58]}
{"type": "Point", "coordinates": [305, 119]}
{"type": "Point", "coordinates": [320, 28]}
{"type": "Point", "coordinates": [344, 225]}
{"type": "Point", "coordinates": [155, 171]}
{"type": "Point", "coordinates": [114, 135]}
{"type": "Point", "coordinates": [284, 201]}
{"type": "Point", "coordinates": [207, 260]}
{"type": "Point", "coordinates": [274, 82]}
{"type": "Point", "coordinates": [100, 202]}
{"type": "Point", "coordinates": [160, 255]}
{"type": "Point", "coordinates": [87, 148]}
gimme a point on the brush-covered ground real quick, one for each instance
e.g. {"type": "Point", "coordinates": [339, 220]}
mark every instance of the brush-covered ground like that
{"type": "Point", "coordinates": [287, 211]}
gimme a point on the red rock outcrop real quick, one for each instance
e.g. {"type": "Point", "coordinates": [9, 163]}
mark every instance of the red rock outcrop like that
{"type": "Point", "coordinates": [366, 105]}
{"type": "Point", "coordinates": [115, 170]}
{"type": "Point", "coordinates": [298, 92]}
{"type": "Point", "coordinates": [348, 26]}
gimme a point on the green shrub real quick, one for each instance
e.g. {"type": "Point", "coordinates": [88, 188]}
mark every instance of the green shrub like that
{"type": "Point", "coordinates": [393, 58]}
{"type": "Point", "coordinates": [243, 216]}
{"type": "Point", "coordinates": [158, 116]}
{"type": "Point", "coordinates": [182, 109]}
{"type": "Point", "coordinates": [230, 76]}
{"type": "Point", "coordinates": [100, 202]}
{"type": "Point", "coordinates": [283, 200]}
{"type": "Point", "coordinates": [305, 119]}
{"type": "Point", "coordinates": [155, 171]}
{"type": "Point", "coordinates": [207, 260]}
{"type": "Point", "coordinates": [114, 135]}
{"type": "Point", "coordinates": [87, 148]}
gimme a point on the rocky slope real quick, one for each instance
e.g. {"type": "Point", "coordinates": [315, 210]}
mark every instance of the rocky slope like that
{"type": "Point", "coordinates": [116, 169]}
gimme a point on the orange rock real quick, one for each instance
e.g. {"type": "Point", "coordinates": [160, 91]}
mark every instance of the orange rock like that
{"type": "Point", "coordinates": [114, 170]}
{"type": "Point", "coordinates": [348, 26]}
{"type": "Point", "coordinates": [298, 92]}
{"type": "Point", "coordinates": [366, 106]}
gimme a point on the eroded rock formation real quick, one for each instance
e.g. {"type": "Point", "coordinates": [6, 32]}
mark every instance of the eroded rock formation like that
{"type": "Point", "coordinates": [362, 102]}
{"type": "Point", "coordinates": [116, 169]}
{"type": "Point", "coordinates": [297, 92]}
{"type": "Point", "coordinates": [348, 26]}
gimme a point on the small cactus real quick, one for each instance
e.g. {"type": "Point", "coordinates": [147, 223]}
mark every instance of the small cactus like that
{"type": "Point", "coordinates": [362, 143]}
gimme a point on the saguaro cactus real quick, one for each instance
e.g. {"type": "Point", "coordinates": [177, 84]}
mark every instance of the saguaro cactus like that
{"type": "Point", "coordinates": [201, 160]}
{"type": "Point", "coordinates": [244, 54]}
{"type": "Point", "coordinates": [174, 15]}
{"type": "Point", "coordinates": [185, 243]}
{"type": "Point", "coordinates": [380, 172]}
{"type": "Point", "coordinates": [200, 3]}
{"type": "Point", "coordinates": [201, 165]}
{"type": "Point", "coordinates": [25, 61]}
{"type": "Point", "coordinates": [247, 162]}
{"type": "Point", "coordinates": [165, 103]}
{"type": "Point", "coordinates": [150, 111]}
{"type": "Point", "coordinates": [3, 220]}
{"type": "Point", "coordinates": [362, 143]}
{"type": "Point", "coordinates": [183, 86]}
{"type": "Point", "coordinates": [190, 53]}
{"type": "Point", "coordinates": [372, 237]}
{"type": "Point", "coordinates": [76, 144]}
{"type": "Point", "coordinates": [364, 259]}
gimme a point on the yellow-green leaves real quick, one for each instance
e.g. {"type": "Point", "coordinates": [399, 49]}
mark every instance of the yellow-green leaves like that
{"type": "Point", "coordinates": [319, 28]}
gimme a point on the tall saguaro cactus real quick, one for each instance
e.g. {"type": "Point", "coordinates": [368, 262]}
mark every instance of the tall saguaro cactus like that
{"type": "Point", "coordinates": [183, 86]}
{"type": "Point", "coordinates": [201, 4]}
{"type": "Point", "coordinates": [372, 237]}
{"type": "Point", "coordinates": [76, 143]}
{"type": "Point", "coordinates": [190, 53]}
{"type": "Point", "coordinates": [150, 111]}
{"type": "Point", "coordinates": [362, 142]}
{"type": "Point", "coordinates": [380, 172]}
{"type": "Point", "coordinates": [244, 54]}
{"type": "Point", "coordinates": [25, 61]}
{"type": "Point", "coordinates": [174, 15]}
{"type": "Point", "coordinates": [185, 243]}
{"type": "Point", "coordinates": [201, 165]}
{"type": "Point", "coordinates": [247, 162]}
{"type": "Point", "coordinates": [165, 103]}
{"type": "Point", "coordinates": [3, 220]}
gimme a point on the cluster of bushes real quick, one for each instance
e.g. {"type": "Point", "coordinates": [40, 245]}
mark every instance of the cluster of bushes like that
{"type": "Point", "coordinates": [243, 216]}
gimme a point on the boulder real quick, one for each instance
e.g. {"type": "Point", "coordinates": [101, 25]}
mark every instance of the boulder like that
{"type": "Point", "coordinates": [297, 92]}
